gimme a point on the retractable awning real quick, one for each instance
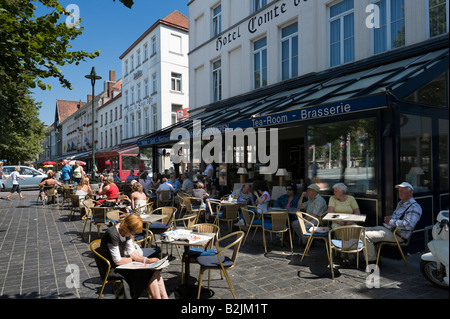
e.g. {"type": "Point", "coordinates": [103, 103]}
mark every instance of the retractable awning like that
{"type": "Point", "coordinates": [361, 86]}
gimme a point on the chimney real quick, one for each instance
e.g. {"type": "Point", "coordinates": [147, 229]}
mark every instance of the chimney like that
{"type": "Point", "coordinates": [112, 75]}
{"type": "Point", "coordinates": [89, 97]}
{"type": "Point", "coordinates": [109, 88]}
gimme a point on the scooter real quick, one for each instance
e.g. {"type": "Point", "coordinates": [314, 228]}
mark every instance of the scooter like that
{"type": "Point", "coordinates": [435, 264]}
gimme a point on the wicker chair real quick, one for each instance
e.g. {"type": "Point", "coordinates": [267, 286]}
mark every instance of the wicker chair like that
{"type": "Point", "coordinates": [219, 261]}
{"type": "Point", "coordinates": [352, 239]}
{"type": "Point", "coordinates": [104, 268]}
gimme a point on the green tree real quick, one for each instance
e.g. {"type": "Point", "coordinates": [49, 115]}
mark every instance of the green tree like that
{"type": "Point", "coordinates": [32, 49]}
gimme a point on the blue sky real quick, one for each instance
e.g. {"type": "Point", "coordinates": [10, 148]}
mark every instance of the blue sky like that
{"type": "Point", "coordinates": [111, 28]}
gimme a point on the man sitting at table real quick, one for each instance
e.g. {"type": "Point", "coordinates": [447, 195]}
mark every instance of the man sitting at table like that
{"type": "Point", "coordinates": [165, 186]}
{"type": "Point", "coordinates": [405, 217]}
{"type": "Point", "coordinates": [315, 206]}
{"type": "Point", "coordinates": [244, 194]}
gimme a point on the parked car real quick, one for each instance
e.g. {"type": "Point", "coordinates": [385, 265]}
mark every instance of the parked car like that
{"type": "Point", "coordinates": [32, 177]}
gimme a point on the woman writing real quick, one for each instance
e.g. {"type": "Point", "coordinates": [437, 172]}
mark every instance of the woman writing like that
{"type": "Point", "coordinates": [117, 246]}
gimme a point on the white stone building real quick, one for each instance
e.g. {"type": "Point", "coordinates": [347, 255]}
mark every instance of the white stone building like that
{"type": "Point", "coordinates": [155, 77]}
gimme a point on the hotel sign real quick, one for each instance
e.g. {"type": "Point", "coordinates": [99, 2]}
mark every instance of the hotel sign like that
{"type": "Point", "coordinates": [273, 13]}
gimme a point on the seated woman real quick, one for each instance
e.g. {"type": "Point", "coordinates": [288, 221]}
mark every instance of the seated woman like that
{"type": "Point", "coordinates": [49, 181]}
{"type": "Point", "coordinates": [83, 188]}
{"type": "Point", "coordinates": [289, 200]}
{"type": "Point", "coordinates": [262, 197]}
{"type": "Point", "coordinates": [138, 197]}
{"type": "Point", "coordinates": [341, 203]}
{"type": "Point", "coordinates": [118, 247]}
{"type": "Point", "coordinates": [109, 189]}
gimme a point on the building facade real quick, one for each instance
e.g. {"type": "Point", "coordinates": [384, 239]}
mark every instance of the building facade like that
{"type": "Point", "coordinates": [344, 91]}
{"type": "Point", "coordinates": [155, 79]}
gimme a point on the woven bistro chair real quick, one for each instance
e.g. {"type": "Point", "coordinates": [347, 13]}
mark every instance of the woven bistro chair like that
{"type": "Point", "coordinates": [195, 252]}
{"type": "Point", "coordinates": [352, 240]}
{"type": "Point", "coordinates": [397, 244]}
{"type": "Point", "coordinates": [76, 204]}
{"type": "Point", "coordinates": [220, 261]}
{"type": "Point", "coordinates": [309, 231]}
{"type": "Point", "coordinates": [104, 268]}
{"type": "Point", "coordinates": [278, 223]}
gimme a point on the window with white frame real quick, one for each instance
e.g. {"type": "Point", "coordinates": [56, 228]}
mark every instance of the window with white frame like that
{"type": "Point", "coordinates": [132, 95]}
{"type": "Point", "coordinates": [217, 80]}
{"type": "Point", "coordinates": [146, 121]}
{"type": "Point", "coordinates": [138, 57]}
{"type": "Point", "coordinates": [391, 33]}
{"type": "Point", "coordinates": [139, 123]}
{"type": "Point", "coordinates": [126, 67]}
{"type": "Point", "coordinates": [154, 45]}
{"type": "Point", "coordinates": [438, 15]}
{"type": "Point", "coordinates": [259, 4]}
{"type": "Point", "coordinates": [126, 127]}
{"type": "Point", "coordinates": [139, 91]}
{"type": "Point", "coordinates": [154, 118]}
{"type": "Point", "coordinates": [154, 83]}
{"type": "Point", "coordinates": [216, 20]}
{"type": "Point", "coordinates": [132, 125]}
{"type": "Point", "coordinates": [146, 88]}
{"type": "Point", "coordinates": [145, 51]}
{"type": "Point", "coordinates": [175, 109]}
{"type": "Point", "coordinates": [132, 63]}
{"type": "Point", "coordinates": [126, 98]}
{"type": "Point", "coordinates": [342, 33]}
{"type": "Point", "coordinates": [176, 82]}
{"type": "Point", "coordinates": [289, 51]}
{"type": "Point", "coordinates": [260, 63]}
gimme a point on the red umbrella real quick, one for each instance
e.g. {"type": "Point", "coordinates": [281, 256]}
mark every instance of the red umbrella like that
{"type": "Point", "coordinates": [49, 163]}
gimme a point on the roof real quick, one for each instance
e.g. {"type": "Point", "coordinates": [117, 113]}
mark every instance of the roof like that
{"type": "Point", "coordinates": [174, 19]}
{"type": "Point", "coordinates": [65, 108]}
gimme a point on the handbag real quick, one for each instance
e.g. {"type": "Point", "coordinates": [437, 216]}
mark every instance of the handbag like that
{"type": "Point", "coordinates": [108, 203]}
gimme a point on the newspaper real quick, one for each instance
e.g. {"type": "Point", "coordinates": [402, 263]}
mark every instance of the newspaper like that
{"type": "Point", "coordinates": [183, 235]}
{"type": "Point", "coordinates": [160, 264]}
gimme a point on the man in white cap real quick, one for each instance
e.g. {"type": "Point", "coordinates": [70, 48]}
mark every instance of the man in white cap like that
{"type": "Point", "coordinates": [405, 217]}
{"type": "Point", "coordinates": [315, 206]}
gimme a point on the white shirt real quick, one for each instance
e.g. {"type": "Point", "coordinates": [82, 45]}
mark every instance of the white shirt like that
{"type": "Point", "coordinates": [15, 177]}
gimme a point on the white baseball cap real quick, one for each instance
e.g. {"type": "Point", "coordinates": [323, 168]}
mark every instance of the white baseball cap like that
{"type": "Point", "coordinates": [404, 184]}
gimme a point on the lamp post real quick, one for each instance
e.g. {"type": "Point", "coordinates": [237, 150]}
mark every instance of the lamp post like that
{"type": "Point", "coordinates": [93, 77]}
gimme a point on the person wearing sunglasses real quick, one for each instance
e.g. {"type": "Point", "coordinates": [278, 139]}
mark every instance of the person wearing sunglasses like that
{"type": "Point", "coordinates": [290, 199]}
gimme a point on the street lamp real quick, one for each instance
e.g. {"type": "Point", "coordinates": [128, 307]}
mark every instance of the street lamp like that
{"type": "Point", "coordinates": [93, 77]}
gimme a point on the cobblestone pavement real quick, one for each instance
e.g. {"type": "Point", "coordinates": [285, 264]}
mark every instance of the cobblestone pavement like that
{"type": "Point", "coordinates": [37, 243]}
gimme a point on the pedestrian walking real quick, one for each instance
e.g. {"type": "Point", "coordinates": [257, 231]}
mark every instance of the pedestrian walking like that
{"type": "Point", "coordinates": [15, 183]}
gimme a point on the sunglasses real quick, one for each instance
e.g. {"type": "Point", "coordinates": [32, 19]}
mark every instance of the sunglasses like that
{"type": "Point", "coordinates": [288, 188]}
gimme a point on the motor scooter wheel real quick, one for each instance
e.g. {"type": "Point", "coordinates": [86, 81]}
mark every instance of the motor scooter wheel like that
{"type": "Point", "coordinates": [434, 274]}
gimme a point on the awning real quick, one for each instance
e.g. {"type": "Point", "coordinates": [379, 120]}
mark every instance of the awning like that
{"type": "Point", "coordinates": [119, 150]}
{"type": "Point", "coordinates": [360, 86]}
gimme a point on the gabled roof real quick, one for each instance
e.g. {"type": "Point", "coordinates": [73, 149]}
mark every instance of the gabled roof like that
{"type": "Point", "coordinates": [174, 19]}
{"type": "Point", "coordinates": [65, 108]}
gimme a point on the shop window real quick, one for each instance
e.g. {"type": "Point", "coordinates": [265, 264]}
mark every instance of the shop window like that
{"type": "Point", "coordinates": [443, 154]}
{"type": "Point", "coordinates": [130, 162]}
{"type": "Point", "coordinates": [343, 152]}
{"type": "Point", "coordinates": [415, 151]}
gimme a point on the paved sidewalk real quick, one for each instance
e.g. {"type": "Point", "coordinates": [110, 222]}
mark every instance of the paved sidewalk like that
{"type": "Point", "coordinates": [38, 243]}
